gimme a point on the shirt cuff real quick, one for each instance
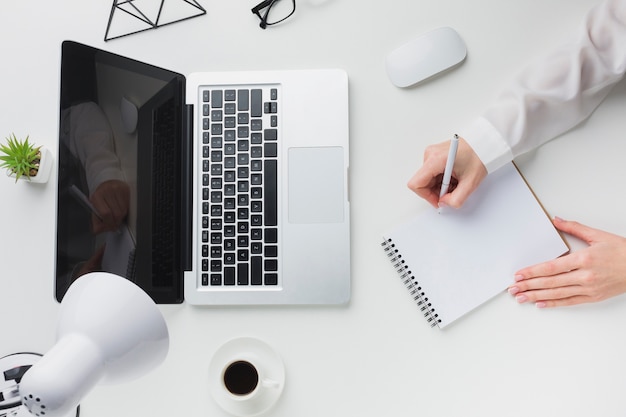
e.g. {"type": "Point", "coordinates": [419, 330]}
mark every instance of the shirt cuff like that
{"type": "Point", "coordinates": [488, 144]}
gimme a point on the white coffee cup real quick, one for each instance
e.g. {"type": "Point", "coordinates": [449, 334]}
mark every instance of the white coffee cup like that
{"type": "Point", "coordinates": [243, 380]}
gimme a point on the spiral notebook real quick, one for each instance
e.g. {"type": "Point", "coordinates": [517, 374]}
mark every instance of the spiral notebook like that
{"type": "Point", "coordinates": [455, 260]}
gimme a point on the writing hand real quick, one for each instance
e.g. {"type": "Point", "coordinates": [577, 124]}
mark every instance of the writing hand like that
{"type": "Point", "coordinates": [468, 173]}
{"type": "Point", "coordinates": [111, 200]}
{"type": "Point", "coordinates": [593, 274]}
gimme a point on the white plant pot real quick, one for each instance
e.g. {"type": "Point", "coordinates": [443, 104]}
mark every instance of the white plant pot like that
{"type": "Point", "coordinates": [45, 167]}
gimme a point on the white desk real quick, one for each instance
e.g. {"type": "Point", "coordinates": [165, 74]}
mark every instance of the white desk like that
{"type": "Point", "coordinates": [375, 356]}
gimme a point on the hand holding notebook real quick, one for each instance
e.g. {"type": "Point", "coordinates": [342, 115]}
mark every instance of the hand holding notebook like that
{"type": "Point", "coordinates": [500, 229]}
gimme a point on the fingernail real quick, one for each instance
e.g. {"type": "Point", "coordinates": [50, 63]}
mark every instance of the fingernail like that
{"type": "Point", "coordinates": [541, 304]}
{"type": "Point", "coordinates": [513, 290]}
{"type": "Point", "coordinates": [557, 218]}
{"type": "Point", "coordinates": [521, 298]}
{"type": "Point", "coordinates": [518, 277]}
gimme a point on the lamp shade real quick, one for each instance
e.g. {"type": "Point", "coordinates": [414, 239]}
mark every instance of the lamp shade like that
{"type": "Point", "coordinates": [109, 331]}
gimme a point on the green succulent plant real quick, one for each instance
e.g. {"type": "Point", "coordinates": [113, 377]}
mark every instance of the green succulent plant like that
{"type": "Point", "coordinates": [20, 157]}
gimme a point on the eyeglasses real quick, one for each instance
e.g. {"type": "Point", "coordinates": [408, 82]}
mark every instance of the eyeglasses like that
{"type": "Point", "coordinates": [272, 12]}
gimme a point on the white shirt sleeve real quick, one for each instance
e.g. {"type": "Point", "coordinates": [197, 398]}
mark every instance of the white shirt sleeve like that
{"type": "Point", "coordinates": [90, 139]}
{"type": "Point", "coordinates": [556, 92]}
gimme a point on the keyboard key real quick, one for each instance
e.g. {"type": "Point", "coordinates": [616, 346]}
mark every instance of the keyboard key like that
{"type": "Point", "coordinates": [230, 108]}
{"type": "Point", "coordinates": [242, 274]}
{"type": "Point", "coordinates": [256, 248]}
{"type": "Point", "coordinates": [229, 204]}
{"type": "Point", "coordinates": [256, 138]}
{"type": "Point", "coordinates": [230, 95]}
{"type": "Point", "coordinates": [243, 131]}
{"type": "Point", "coordinates": [229, 276]}
{"type": "Point", "coordinates": [271, 251]}
{"type": "Point", "coordinates": [271, 150]}
{"type": "Point", "coordinates": [243, 100]}
{"type": "Point", "coordinates": [229, 258]}
{"type": "Point", "coordinates": [256, 234]}
{"type": "Point", "coordinates": [216, 196]}
{"type": "Point", "coordinates": [216, 115]}
{"type": "Point", "coordinates": [271, 279]}
{"type": "Point", "coordinates": [243, 118]}
{"type": "Point", "coordinates": [216, 98]}
{"type": "Point", "coordinates": [271, 235]}
{"type": "Point", "coordinates": [270, 134]}
{"type": "Point", "coordinates": [256, 102]}
{"type": "Point", "coordinates": [230, 122]}
{"type": "Point", "coordinates": [256, 270]}
{"type": "Point", "coordinates": [230, 162]}
{"type": "Point", "coordinates": [243, 172]}
{"type": "Point", "coordinates": [270, 188]}
{"type": "Point", "coordinates": [271, 265]}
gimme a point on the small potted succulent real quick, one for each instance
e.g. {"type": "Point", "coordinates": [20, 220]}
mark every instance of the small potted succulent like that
{"type": "Point", "coordinates": [23, 160]}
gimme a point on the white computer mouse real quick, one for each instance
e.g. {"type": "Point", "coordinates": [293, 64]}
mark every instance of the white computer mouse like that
{"type": "Point", "coordinates": [425, 56]}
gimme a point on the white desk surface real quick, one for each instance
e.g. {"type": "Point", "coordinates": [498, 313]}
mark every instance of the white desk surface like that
{"type": "Point", "coordinates": [375, 356]}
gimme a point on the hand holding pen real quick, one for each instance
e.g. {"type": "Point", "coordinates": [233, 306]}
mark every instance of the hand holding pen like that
{"type": "Point", "coordinates": [465, 174]}
{"type": "Point", "coordinates": [108, 205]}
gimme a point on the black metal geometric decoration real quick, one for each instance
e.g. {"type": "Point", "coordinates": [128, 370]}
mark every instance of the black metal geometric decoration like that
{"type": "Point", "coordinates": [133, 16]}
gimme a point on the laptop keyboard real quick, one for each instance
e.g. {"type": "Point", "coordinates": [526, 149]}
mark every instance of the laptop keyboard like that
{"type": "Point", "coordinates": [239, 215]}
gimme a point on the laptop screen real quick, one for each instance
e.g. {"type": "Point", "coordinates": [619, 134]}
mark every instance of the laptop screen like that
{"type": "Point", "coordinates": [121, 204]}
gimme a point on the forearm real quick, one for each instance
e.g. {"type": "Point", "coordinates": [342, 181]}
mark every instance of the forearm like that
{"type": "Point", "coordinates": [556, 92]}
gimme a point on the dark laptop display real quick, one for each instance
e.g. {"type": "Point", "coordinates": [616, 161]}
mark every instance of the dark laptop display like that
{"type": "Point", "coordinates": [122, 204]}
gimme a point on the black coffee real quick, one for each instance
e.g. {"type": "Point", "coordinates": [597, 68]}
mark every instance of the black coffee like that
{"type": "Point", "coordinates": [241, 378]}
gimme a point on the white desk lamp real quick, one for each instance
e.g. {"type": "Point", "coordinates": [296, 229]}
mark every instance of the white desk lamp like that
{"type": "Point", "coordinates": [109, 331]}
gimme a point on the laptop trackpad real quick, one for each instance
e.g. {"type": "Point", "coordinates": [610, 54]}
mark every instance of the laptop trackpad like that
{"type": "Point", "coordinates": [316, 185]}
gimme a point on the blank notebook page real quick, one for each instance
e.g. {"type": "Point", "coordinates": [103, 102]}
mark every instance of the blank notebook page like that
{"type": "Point", "coordinates": [462, 258]}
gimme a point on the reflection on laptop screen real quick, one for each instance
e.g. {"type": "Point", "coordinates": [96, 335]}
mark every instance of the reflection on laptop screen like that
{"type": "Point", "coordinates": [120, 121]}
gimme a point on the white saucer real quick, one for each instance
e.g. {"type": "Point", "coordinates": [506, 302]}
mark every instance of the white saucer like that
{"type": "Point", "coordinates": [261, 355]}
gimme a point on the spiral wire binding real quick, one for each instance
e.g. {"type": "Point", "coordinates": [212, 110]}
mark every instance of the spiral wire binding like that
{"type": "Point", "coordinates": [410, 282]}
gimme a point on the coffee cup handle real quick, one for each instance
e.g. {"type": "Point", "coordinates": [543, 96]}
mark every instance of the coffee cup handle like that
{"type": "Point", "coordinates": [270, 383]}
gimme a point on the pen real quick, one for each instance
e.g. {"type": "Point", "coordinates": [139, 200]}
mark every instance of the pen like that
{"type": "Point", "coordinates": [84, 201]}
{"type": "Point", "coordinates": [447, 173]}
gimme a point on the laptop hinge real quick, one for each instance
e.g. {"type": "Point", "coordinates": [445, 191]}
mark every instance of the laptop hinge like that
{"type": "Point", "coordinates": [187, 186]}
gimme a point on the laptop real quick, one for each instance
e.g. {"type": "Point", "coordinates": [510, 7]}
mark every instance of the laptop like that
{"type": "Point", "coordinates": [219, 188]}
